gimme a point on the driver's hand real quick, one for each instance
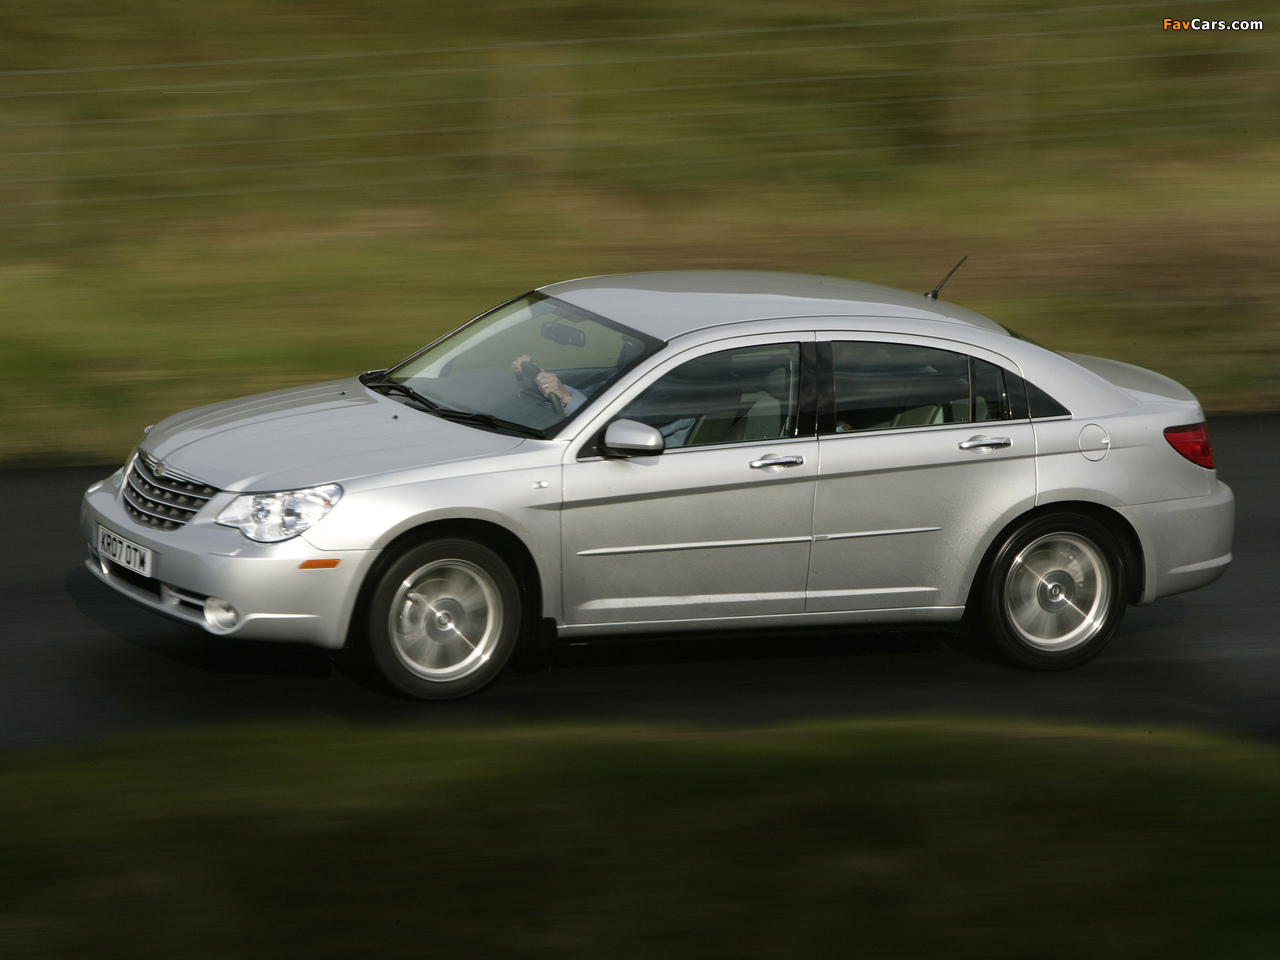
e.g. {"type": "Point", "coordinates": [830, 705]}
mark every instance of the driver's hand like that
{"type": "Point", "coordinates": [549, 383]}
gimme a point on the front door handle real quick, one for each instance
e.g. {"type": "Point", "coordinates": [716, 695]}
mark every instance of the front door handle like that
{"type": "Point", "coordinates": [794, 460]}
{"type": "Point", "coordinates": [986, 443]}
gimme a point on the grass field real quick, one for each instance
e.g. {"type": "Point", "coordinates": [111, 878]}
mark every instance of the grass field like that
{"type": "Point", "coordinates": [883, 839]}
{"type": "Point", "coordinates": [328, 202]}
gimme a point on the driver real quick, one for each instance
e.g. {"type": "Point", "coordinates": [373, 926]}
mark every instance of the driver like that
{"type": "Point", "coordinates": [675, 433]}
{"type": "Point", "coordinates": [551, 385]}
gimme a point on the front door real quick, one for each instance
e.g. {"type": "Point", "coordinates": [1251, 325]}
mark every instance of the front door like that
{"type": "Point", "coordinates": [718, 525]}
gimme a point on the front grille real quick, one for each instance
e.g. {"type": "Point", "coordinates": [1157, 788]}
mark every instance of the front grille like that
{"type": "Point", "coordinates": [159, 497]}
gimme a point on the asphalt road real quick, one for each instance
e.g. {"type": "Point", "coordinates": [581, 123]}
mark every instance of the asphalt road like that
{"type": "Point", "coordinates": [77, 662]}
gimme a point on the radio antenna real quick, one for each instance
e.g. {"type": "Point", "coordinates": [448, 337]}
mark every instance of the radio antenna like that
{"type": "Point", "coordinates": [933, 294]}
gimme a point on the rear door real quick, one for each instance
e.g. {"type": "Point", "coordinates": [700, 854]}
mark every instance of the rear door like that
{"type": "Point", "coordinates": [920, 458]}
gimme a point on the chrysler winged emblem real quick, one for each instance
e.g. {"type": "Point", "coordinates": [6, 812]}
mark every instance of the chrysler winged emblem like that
{"type": "Point", "coordinates": [161, 467]}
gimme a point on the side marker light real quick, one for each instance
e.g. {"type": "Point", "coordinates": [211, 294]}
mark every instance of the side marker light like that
{"type": "Point", "coordinates": [318, 564]}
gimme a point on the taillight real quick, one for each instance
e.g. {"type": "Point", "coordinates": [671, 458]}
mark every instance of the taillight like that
{"type": "Point", "coordinates": [1192, 441]}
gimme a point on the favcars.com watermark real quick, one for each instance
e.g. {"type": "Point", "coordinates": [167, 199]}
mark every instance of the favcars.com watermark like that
{"type": "Point", "coordinates": [1198, 24]}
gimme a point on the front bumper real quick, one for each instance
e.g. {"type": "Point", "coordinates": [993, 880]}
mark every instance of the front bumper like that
{"type": "Point", "coordinates": [1186, 543]}
{"type": "Point", "coordinates": [272, 597]}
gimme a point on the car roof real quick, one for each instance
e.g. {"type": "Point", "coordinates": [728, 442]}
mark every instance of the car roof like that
{"type": "Point", "coordinates": [676, 302]}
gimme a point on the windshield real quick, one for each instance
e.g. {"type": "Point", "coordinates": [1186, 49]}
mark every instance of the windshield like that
{"type": "Point", "coordinates": [535, 361]}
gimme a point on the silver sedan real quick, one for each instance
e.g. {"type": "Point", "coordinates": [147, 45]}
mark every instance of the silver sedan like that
{"type": "Point", "coordinates": [667, 452]}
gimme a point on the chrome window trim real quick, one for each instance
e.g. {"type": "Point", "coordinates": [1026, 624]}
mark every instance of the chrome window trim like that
{"type": "Point", "coordinates": [894, 431]}
{"type": "Point", "coordinates": [736, 445]}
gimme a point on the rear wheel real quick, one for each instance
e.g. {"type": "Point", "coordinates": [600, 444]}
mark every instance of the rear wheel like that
{"type": "Point", "coordinates": [1053, 592]}
{"type": "Point", "coordinates": [444, 619]}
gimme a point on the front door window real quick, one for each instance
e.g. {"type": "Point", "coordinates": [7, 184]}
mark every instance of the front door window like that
{"type": "Point", "coordinates": [740, 395]}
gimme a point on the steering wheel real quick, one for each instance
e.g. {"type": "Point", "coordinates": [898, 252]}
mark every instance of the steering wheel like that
{"type": "Point", "coordinates": [527, 383]}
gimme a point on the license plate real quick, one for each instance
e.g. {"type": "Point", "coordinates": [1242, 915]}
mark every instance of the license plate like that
{"type": "Point", "coordinates": [124, 552]}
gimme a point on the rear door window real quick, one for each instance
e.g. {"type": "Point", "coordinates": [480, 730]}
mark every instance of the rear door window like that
{"type": "Point", "coordinates": [885, 386]}
{"type": "Point", "coordinates": [882, 386]}
{"type": "Point", "coordinates": [991, 399]}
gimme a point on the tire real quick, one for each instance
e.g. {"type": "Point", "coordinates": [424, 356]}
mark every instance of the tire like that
{"type": "Point", "coordinates": [1053, 592]}
{"type": "Point", "coordinates": [444, 619]}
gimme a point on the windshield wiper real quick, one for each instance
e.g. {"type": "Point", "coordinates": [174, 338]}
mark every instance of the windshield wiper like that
{"type": "Point", "coordinates": [457, 416]}
{"type": "Point", "coordinates": [488, 420]}
{"type": "Point", "coordinates": [407, 391]}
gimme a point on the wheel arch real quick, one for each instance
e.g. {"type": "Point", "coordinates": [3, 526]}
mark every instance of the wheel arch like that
{"type": "Point", "coordinates": [505, 543]}
{"type": "Point", "coordinates": [1126, 536]}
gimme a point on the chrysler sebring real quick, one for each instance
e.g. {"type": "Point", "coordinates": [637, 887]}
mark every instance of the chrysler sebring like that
{"type": "Point", "coordinates": [670, 452]}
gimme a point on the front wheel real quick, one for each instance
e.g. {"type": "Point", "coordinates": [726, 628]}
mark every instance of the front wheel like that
{"type": "Point", "coordinates": [444, 619]}
{"type": "Point", "coordinates": [1053, 592]}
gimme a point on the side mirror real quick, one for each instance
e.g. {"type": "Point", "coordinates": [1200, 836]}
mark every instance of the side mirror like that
{"type": "Point", "coordinates": [630, 438]}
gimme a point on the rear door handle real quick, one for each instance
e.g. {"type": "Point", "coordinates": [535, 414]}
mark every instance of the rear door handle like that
{"type": "Point", "coordinates": [795, 460]}
{"type": "Point", "coordinates": [986, 443]}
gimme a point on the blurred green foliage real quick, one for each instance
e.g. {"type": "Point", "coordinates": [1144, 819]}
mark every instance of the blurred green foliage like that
{"type": "Point", "coordinates": [887, 839]}
{"type": "Point", "coordinates": [295, 190]}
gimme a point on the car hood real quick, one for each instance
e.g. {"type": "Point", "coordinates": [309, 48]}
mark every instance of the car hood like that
{"type": "Point", "coordinates": [304, 436]}
{"type": "Point", "coordinates": [1139, 382]}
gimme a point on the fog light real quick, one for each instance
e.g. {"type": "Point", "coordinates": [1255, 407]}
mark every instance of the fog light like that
{"type": "Point", "coordinates": [219, 614]}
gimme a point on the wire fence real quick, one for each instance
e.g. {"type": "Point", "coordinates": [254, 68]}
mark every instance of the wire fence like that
{"type": "Point", "coordinates": [834, 103]}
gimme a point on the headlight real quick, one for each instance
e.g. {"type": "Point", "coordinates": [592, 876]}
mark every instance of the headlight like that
{"type": "Point", "coordinates": [269, 517]}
